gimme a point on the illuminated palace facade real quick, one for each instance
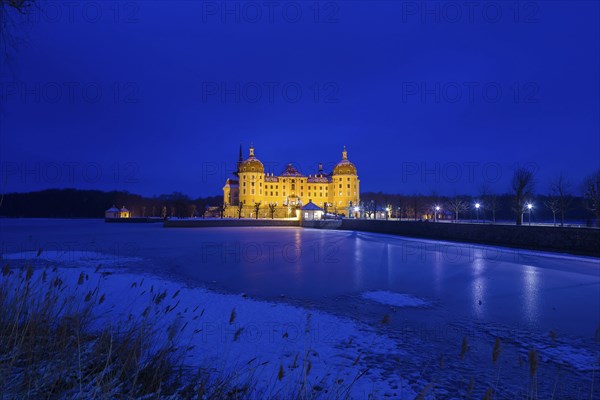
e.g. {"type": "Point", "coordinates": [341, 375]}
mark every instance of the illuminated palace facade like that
{"type": "Point", "coordinates": [337, 191]}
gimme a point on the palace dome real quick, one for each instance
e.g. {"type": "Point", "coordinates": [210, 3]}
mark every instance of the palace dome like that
{"type": "Point", "coordinates": [344, 167]}
{"type": "Point", "coordinates": [252, 164]}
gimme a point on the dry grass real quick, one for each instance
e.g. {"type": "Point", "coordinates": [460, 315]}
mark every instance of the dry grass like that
{"type": "Point", "coordinates": [55, 342]}
{"type": "Point", "coordinates": [51, 348]}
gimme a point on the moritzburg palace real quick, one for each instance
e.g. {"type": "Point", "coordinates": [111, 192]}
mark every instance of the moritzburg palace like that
{"type": "Point", "coordinates": [337, 191]}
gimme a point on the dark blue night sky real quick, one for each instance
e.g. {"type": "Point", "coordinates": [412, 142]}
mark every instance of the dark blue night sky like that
{"type": "Point", "coordinates": [154, 96]}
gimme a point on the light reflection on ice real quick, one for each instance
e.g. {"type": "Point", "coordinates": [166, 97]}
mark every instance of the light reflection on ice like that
{"type": "Point", "coordinates": [530, 291]}
{"type": "Point", "coordinates": [478, 287]}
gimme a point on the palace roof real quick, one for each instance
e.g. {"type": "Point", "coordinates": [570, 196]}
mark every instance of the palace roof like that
{"type": "Point", "coordinates": [318, 178]}
{"type": "Point", "coordinates": [291, 171]}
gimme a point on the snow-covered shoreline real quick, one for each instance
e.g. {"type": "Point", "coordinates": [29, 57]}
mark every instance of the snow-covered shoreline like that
{"type": "Point", "coordinates": [235, 334]}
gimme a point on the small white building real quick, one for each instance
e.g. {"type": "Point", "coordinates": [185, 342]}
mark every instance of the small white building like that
{"type": "Point", "coordinates": [124, 213]}
{"type": "Point", "coordinates": [114, 212]}
{"type": "Point", "coordinates": [311, 212]}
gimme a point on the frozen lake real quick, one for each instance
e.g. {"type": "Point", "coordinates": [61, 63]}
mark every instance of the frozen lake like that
{"type": "Point", "coordinates": [430, 294]}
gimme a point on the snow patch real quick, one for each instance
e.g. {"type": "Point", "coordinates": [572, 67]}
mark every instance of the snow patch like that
{"type": "Point", "coordinates": [70, 258]}
{"type": "Point", "coordinates": [395, 299]}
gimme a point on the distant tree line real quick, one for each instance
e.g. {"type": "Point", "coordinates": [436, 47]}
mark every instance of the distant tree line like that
{"type": "Point", "coordinates": [74, 203]}
{"type": "Point", "coordinates": [560, 202]}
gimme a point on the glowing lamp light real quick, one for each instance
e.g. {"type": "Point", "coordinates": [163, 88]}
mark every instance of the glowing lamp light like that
{"type": "Point", "coordinates": [356, 209]}
{"type": "Point", "coordinates": [437, 208]}
{"type": "Point", "coordinates": [477, 205]}
{"type": "Point", "coordinates": [529, 206]}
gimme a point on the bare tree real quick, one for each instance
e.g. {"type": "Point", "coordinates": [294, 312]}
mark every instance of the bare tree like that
{"type": "Point", "coordinates": [457, 205]}
{"type": "Point", "coordinates": [560, 189]}
{"type": "Point", "coordinates": [522, 187]}
{"type": "Point", "coordinates": [489, 201]}
{"type": "Point", "coordinates": [553, 204]}
{"type": "Point", "coordinates": [591, 193]}
{"type": "Point", "coordinates": [417, 206]}
{"type": "Point", "coordinates": [257, 209]}
{"type": "Point", "coordinates": [402, 209]}
{"type": "Point", "coordinates": [222, 210]}
{"type": "Point", "coordinates": [371, 209]}
{"type": "Point", "coordinates": [272, 208]}
{"type": "Point", "coordinates": [13, 15]}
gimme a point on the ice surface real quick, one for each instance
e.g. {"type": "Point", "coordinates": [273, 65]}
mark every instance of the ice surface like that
{"type": "Point", "coordinates": [354, 279]}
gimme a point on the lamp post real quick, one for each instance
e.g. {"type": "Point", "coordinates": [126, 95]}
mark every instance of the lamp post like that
{"type": "Point", "coordinates": [529, 207]}
{"type": "Point", "coordinates": [437, 209]}
{"type": "Point", "coordinates": [477, 205]}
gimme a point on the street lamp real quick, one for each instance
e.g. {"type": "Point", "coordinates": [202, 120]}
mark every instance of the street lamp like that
{"type": "Point", "coordinates": [477, 205]}
{"type": "Point", "coordinates": [529, 207]}
{"type": "Point", "coordinates": [437, 209]}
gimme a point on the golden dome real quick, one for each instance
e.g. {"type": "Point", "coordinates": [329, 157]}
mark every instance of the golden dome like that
{"type": "Point", "coordinates": [344, 167]}
{"type": "Point", "coordinates": [252, 164]}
